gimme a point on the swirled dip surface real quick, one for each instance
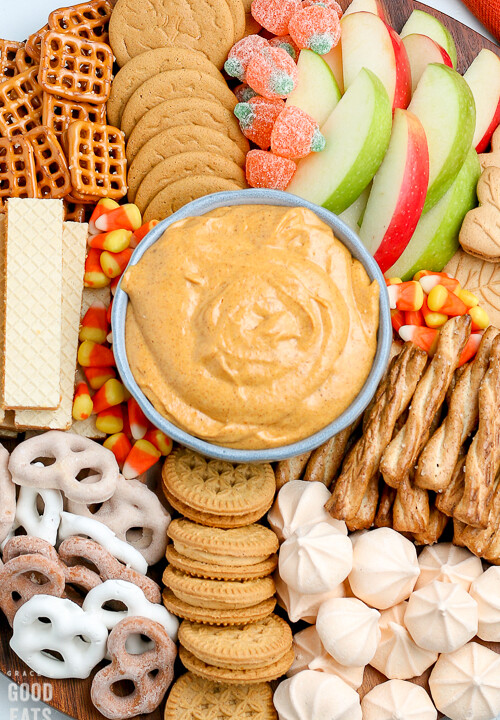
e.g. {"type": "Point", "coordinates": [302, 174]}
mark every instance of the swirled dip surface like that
{"type": "Point", "coordinates": [250, 326]}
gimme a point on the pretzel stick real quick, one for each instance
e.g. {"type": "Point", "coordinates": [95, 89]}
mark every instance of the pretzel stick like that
{"type": "Point", "coordinates": [365, 515]}
{"type": "Point", "coordinates": [458, 531]}
{"type": "Point", "coordinates": [410, 512]}
{"type": "Point", "coordinates": [362, 462]}
{"type": "Point", "coordinates": [447, 501]}
{"type": "Point", "coordinates": [383, 518]}
{"type": "Point", "coordinates": [290, 469]}
{"type": "Point", "coordinates": [492, 552]}
{"type": "Point", "coordinates": [439, 457]}
{"type": "Point", "coordinates": [478, 540]}
{"type": "Point", "coordinates": [483, 458]}
{"type": "Point", "coordinates": [402, 452]}
{"type": "Point", "coordinates": [326, 460]}
{"type": "Point", "coordinates": [435, 528]}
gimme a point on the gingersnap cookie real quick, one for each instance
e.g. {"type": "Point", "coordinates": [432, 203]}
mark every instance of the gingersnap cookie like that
{"type": "Point", "coordinates": [211, 519]}
{"type": "Point", "coordinates": [184, 191]}
{"type": "Point", "coordinates": [143, 66]}
{"type": "Point", "coordinates": [205, 25]}
{"type": "Point", "coordinates": [217, 486]}
{"type": "Point", "coordinates": [218, 594]}
{"type": "Point", "coordinates": [238, 647]}
{"type": "Point", "coordinates": [237, 10]}
{"type": "Point", "coordinates": [193, 697]}
{"type": "Point", "coordinates": [185, 111]}
{"type": "Point", "coordinates": [226, 675]}
{"type": "Point", "coordinates": [186, 165]}
{"type": "Point", "coordinates": [209, 616]}
{"type": "Point", "coordinates": [220, 572]}
{"type": "Point", "coordinates": [172, 85]}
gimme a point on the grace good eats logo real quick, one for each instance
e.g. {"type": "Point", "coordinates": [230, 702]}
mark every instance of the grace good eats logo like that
{"type": "Point", "coordinates": [22, 696]}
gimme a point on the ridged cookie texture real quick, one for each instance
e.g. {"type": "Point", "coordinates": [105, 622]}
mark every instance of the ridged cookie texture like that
{"type": "Point", "coordinates": [230, 616]}
{"type": "Point", "coordinates": [226, 675]}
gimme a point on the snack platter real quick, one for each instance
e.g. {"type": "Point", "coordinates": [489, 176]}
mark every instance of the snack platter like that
{"type": "Point", "coordinates": [145, 576]}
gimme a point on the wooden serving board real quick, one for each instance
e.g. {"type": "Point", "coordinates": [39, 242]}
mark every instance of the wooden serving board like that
{"type": "Point", "coordinates": [73, 696]}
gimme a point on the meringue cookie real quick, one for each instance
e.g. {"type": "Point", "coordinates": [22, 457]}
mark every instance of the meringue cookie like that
{"type": "Point", "coordinates": [398, 700]}
{"type": "Point", "coordinates": [448, 563]}
{"type": "Point", "coordinates": [303, 607]}
{"type": "Point", "coordinates": [385, 568]}
{"type": "Point", "coordinates": [486, 592]}
{"type": "Point", "coordinates": [398, 657]}
{"type": "Point", "coordinates": [349, 630]}
{"type": "Point", "coordinates": [311, 655]}
{"type": "Point", "coordinates": [465, 685]}
{"type": "Point", "coordinates": [315, 559]}
{"type": "Point", "coordinates": [441, 616]}
{"type": "Point", "coordinates": [300, 503]}
{"type": "Point", "coordinates": [312, 695]}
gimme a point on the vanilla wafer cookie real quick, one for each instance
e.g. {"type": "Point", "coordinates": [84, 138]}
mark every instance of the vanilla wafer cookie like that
{"type": "Point", "coordinates": [226, 675]}
{"type": "Point", "coordinates": [218, 594]}
{"type": "Point", "coordinates": [220, 572]}
{"type": "Point", "coordinates": [74, 250]}
{"type": "Point", "coordinates": [210, 616]}
{"type": "Point", "coordinates": [32, 364]}
{"type": "Point", "coordinates": [193, 697]}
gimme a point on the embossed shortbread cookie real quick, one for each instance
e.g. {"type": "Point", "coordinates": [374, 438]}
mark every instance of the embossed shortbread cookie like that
{"type": "Point", "coordinates": [226, 675]}
{"type": "Point", "coordinates": [220, 572]}
{"type": "Point", "coordinates": [231, 616]}
{"type": "Point", "coordinates": [481, 278]}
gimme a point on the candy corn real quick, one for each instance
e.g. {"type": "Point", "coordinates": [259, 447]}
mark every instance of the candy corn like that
{"type": "Point", "coordinates": [114, 284]}
{"type": "Point", "coordinates": [429, 282]}
{"type": "Point", "coordinates": [432, 319]}
{"type": "Point", "coordinates": [82, 402]}
{"type": "Point", "coordinates": [426, 338]}
{"type": "Point", "coordinates": [108, 312]}
{"type": "Point", "coordinates": [480, 318]}
{"type": "Point", "coordinates": [114, 241]}
{"type": "Point", "coordinates": [397, 319]}
{"type": "Point", "coordinates": [110, 420]}
{"type": "Point", "coordinates": [124, 217]}
{"type": "Point", "coordinates": [90, 354]}
{"type": "Point", "coordinates": [393, 281]}
{"type": "Point", "coordinates": [406, 296]}
{"type": "Point", "coordinates": [120, 446]}
{"type": "Point", "coordinates": [110, 394]}
{"type": "Point", "coordinates": [141, 233]}
{"type": "Point", "coordinates": [414, 317]}
{"type": "Point", "coordinates": [161, 441]}
{"type": "Point", "coordinates": [113, 264]}
{"type": "Point", "coordinates": [138, 421]}
{"type": "Point", "coordinates": [103, 207]}
{"type": "Point", "coordinates": [97, 376]}
{"type": "Point", "coordinates": [423, 273]}
{"type": "Point", "coordinates": [94, 276]}
{"type": "Point", "coordinates": [468, 298]}
{"type": "Point", "coordinates": [441, 300]}
{"type": "Point", "coordinates": [470, 349]}
{"type": "Point", "coordinates": [142, 456]}
{"type": "Point", "coordinates": [94, 324]}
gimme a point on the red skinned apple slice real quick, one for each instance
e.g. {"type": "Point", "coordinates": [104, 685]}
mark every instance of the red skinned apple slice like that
{"type": "Point", "coordinates": [367, 41]}
{"type": "Point", "coordinates": [425, 24]}
{"type": "Point", "coordinates": [423, 50]}
{"type": "Point", "coordinates": [483, 78]}
{"type": "Point", "coordinates": [373, 6]}
{"type": "Point", "coordinates": [334, 61]}
{"type": "Point", "coordinates": [398, 193]}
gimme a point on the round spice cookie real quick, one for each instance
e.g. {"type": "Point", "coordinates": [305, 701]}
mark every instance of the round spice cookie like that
{"type": "Point", "coordinates": [220, 572]}
{"type": "Point", "coordinates": [237, 10]}
{"type": "Point", "coordinates": [218, 486]}
{"type": "Point", "coordinates": [183, 166]}
{"type": "Point", "coordinates": [212, 519]}
{"type": "Point", "coordinates": [143, 66]}
{"type": "Point", "coordinates": [226, 675]}
{"type": "Point", "coordinates": [171, 85]}
{"type": "Point", "coordinates": [239, 646]}
{"type": "Point", "coordinates": [241, 546]}
{"type": "Point", "coordinates": [140, 25]}
{"type": "Point", "coordinates": [177, 140]}
{"type": "Point", "coordinates": [185, 111]}
{"type": "Point", "coordinates": [193, 697]}
{"type": "Point", "coordinates": [184, 191]}
{"type": "Point", "coordinates": [218, 594]}
{"type": "Point", "coordinates": [252, 27]}
{"type": "Point", "coordinates": [209, 616]}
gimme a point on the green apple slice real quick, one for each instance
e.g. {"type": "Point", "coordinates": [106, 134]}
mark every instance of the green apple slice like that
{"type": "Point", "coordinates": [317, 92]}
{"type": "Point", "coordinates": [435, 239]}
{"type": "Point", "coordinates": [426, 24]}
{"type": "Point", "coordinates": [357, 134]}
{"type": "Point", "coordinates": [444, 104]}
{"type": "Point", "coordinates": [353, 215]}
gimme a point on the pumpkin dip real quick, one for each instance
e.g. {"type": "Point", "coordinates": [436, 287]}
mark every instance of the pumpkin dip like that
{"type": "Point", "coordinates": [251, 326]}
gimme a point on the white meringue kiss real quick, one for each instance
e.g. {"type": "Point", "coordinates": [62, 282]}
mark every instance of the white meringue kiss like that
{"type": "Point", "coordinates": [312, 695]}
{"type": "Point", "coordinates": [303, 607]}
{"type": "Point", "coordinates": [448, 563]}
{"type": "Point", "coordinates": [398, 700]}
{"type": "Point", "coordinates": [349, 630]}
{"type": "Point", "coordinates": [486, 592]}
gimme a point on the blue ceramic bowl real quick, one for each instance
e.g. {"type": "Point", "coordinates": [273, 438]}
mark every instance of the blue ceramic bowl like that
{"type": "Point", "coordinates": [354, 245]}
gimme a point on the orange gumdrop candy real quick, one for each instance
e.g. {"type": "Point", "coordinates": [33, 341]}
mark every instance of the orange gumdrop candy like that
{"type": "Point", "coordinates": [287, 43]}
{"type": "Point", "coordinates": [272, 73]}
{"type": "Point", "coordinates": [274, 15]}
{"type": "Point", "coordinates": [241, 53]}
{"type": "Point", "coordinates": [265, 170]}
{"type": "Point", "coordinates": [257, 117]}
{"type": "Point", "coordinates": [244, 92]}
{"type": "Point", "coordinates": [332, 4]}
{"type": "Point", "coordinates": [295, 134]}
{"type": "Point", "coordinates": [315, 27]}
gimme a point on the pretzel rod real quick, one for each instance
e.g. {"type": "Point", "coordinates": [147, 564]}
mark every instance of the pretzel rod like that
{"type": "Point", "coordinates": [492, 552]}
{"type": "Point", "coordinates": [458, 530]}
{"type": "Point", "coordinates": [439, 457]}
{"type": "Point", "coordinates": [435, 528]}
{"type": "Point", "coordinates": [447, 501]}
{"type": "Point", "coordinates": [326, 460]}
{"type": "Point", "coordinates": [290, 469]}
{"type": "Point", "coordinates": [410, 512]}
{"type": "Point", "coordinates": [365, 516]}
{"type": "Point", "coordinates": [483, 458]}
{"type": "Point", "coordinates": [402, 452]}
{"type": "Point", "coordinates": [362, 462]}
{"type": "Point", "coordinates": [476, 539]}
{"type": "Point", "coordinates": [383, 518]}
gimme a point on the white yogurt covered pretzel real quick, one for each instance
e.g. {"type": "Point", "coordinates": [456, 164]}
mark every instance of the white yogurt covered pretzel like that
{"type": "Point", "coordinates": [39, 523]}
{"type": "Point", "coordinates": [71, 455]}
{"type": "Point", "coordinates": [7, 496]}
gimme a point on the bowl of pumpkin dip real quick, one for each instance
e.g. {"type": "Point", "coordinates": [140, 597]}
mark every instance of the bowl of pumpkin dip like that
{"type": "Point", "coordinates": [251, 326]}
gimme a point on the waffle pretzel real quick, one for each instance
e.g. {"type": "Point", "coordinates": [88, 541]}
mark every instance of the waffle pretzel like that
{"type": "Point", "coordinates": [75, 212]}
{"type": "Point", "coordinates": [96, 158]}
{"type": "Point", "coordinates": [8, 51]}
{"type": "Point", "coordinates": [88, 20]}
{"type": "Point", "coordinates": [19, 581]}
{"type": "Point", "coordinates": [439, 457]}
{"type": "Point", "coordinates": [58, 113]}
{"type": "Point", "coordinates": [75, 68]}
{"type": "Point", "coordinates": [51, 168]}
{"type": "Point", "coordinates": [35, 41]}
{"type": "Point", "coordinates": [17, 169]}
{"type": "Point", "coordinates": [402, 452]}
{"type": "Point", "coordinates": [20, 103]}
{"type": "Point", "coordinates": [24, 61]}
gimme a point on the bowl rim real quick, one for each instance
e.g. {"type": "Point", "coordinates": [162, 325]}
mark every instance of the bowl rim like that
{"type": "Point", "coordinates": [384, 333]}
